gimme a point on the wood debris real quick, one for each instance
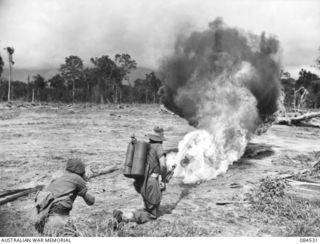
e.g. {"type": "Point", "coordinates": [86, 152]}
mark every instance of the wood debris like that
{"type": "Point", "coordinates": [231, 202]}
{"type": "Point", "coordinates": [298, 120]}
{"type": "Point", "coordinates": [15, 194]}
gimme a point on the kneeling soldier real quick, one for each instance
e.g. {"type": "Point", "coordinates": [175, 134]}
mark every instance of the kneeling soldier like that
{"type": "Point", "coordinates": [153, 184]}
{"type": "Point", "coordinates": [55, 202]}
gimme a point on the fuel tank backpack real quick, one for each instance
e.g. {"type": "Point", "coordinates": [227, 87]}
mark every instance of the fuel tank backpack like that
{"type": "Point", "coordinates": [136, 158]}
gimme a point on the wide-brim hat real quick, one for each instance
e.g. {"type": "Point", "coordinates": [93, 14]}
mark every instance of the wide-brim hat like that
{"type": "Point", "coordinates": [157, 134]}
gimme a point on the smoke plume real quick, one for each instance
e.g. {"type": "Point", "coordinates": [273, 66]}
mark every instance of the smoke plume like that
{"type": "Point", "coordinates": [223, 81]}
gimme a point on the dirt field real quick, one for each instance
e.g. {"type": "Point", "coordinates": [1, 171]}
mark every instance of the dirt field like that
{"type": "Point", "coordinates": [35, 143]}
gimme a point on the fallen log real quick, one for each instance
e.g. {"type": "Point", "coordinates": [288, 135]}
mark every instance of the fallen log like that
{"type": "Point", "coordinates": [235, 185]}
{"type": "Point", "coordinates": [303, 183]}
{"type": "Point", "coordinates": [93, 173]}
{"type": "Point", "coordinates": [20, 194]}
{"type": "Point", "coordinates": [10, 192]}
{"type": "Point", "coordinates": [231, 202]}
{"type": "Point", "coordinates": [298, 120]}
{"type": "Point", "coordinates": [285, 176]}
{"type": "Point", "coordinates": [304, 190]}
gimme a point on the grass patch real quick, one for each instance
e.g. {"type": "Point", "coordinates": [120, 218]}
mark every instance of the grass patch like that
{"type": "Point", "coordinates": [283, 215]}
{"type": "Point", "coordinates": [156, 228]}
{"type": "Point", "coordinates": [15, 224]}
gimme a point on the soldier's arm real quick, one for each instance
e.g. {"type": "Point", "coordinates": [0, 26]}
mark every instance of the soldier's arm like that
{"type": "Point", "coordinates": [163, 164]}
{"type": "Point", "coordinates": [83, 192]}
{"type": "Point", "coordinates": [163, 167]}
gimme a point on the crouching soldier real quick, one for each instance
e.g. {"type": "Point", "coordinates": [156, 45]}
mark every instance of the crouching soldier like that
{"type": "Point", "coordinates": [153, 184]}
{"type": "Point", "coordinates": [54, 203]}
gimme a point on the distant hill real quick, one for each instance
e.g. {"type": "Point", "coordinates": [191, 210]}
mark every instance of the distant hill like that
{"type": "Point", "coordinates": [22, 74]}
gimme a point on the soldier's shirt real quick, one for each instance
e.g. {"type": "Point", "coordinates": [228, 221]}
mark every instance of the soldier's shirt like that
{"type": "Point", "coordinates": [154, 155]}
{"type": "Point", "coordinates": [70, 185]}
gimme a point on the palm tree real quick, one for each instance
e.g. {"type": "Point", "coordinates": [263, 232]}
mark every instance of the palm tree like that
{"type": "Point", "coordinates": [1, 65]}
{"type": "Point", "coordinates": [10, 51]}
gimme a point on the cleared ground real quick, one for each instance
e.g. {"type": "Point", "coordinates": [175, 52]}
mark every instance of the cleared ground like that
{"type": "Point", "coordinates": [35, 143]}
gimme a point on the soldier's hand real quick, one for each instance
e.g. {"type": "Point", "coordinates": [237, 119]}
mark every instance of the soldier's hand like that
{"type": "Point", "coordinates": [162, 186]}
{"type": "Point", "coordinates": [89, 173]}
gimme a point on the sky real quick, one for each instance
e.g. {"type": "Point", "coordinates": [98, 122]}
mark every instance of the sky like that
{"type": "Point", "coordinates": [44, 32]}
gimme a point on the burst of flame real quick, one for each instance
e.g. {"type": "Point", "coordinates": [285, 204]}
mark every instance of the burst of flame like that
{"type": "Point", "coordinates": [227, 117]}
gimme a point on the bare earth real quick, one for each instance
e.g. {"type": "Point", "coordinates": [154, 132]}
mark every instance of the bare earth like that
{"type": "Point", "coordinates": [35, 143]}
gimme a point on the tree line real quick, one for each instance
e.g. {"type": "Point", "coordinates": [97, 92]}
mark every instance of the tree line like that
{"type": "Point", "coordinates": [303, 92]}
{"type": "Point", "coordinates": [106, 81]}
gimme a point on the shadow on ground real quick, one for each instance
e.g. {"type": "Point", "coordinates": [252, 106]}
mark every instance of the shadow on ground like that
{"type": "Point", "coordinates": [258, 151]}
{"type": "Point", "coordinates": [168, 208]}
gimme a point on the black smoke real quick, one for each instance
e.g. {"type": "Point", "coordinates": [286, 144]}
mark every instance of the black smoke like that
{"type": "Point", "coordinates": [215, 51]}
